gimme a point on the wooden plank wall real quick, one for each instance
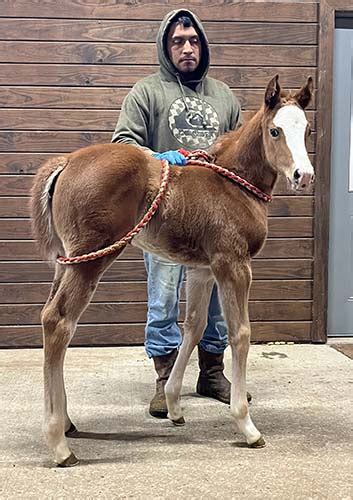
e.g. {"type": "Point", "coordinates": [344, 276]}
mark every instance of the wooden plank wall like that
{"type": "Point", "coordinates": [65, 68]}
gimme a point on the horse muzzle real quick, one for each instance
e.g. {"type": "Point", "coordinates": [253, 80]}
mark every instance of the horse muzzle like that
{"type": "Point", "coordinates": [302, 179]}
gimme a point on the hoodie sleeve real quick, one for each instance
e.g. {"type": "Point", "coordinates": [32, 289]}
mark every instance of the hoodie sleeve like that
{"type": "Point", "coordinates": [135, 119]}
{"type": "Point", "coordinates": [236, 118]}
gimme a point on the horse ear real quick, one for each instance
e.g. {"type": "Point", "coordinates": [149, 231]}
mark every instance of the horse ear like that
{"type": "Point", "coordinates": [304, 95]}
{"type": "Point", "coordinates": [272, 93]}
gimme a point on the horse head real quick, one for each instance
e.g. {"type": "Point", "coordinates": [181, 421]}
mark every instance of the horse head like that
{"type": "Point", "coordinates": [285, 130]}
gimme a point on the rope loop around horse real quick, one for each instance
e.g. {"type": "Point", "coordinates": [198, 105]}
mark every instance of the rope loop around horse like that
{"type": "Point", "coordinates": [192, 158]}
{"type": "Point", "coordinates": [130, 235]}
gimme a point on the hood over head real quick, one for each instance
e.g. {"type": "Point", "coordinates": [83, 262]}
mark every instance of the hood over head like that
{"type": "Point", "coordinates": [167, 67]}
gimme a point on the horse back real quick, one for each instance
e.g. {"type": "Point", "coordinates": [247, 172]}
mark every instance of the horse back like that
{"type": "Point", "coordinates": [101, 194]}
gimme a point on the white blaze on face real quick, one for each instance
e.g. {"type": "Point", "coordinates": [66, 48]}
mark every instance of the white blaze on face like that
{"type": "Point", "coordinates": [293, 123]}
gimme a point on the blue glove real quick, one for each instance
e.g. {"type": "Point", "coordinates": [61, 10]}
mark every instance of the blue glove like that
{"type": "Point", "coordinates": [172, 157]}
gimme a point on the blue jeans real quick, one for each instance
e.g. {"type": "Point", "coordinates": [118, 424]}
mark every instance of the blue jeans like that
{"type": "Point", "coordinates": [162, 333]}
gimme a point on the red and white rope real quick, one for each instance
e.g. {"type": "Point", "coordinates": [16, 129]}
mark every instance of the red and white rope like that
{"type": "Point", "coordinates": [129, 236]}
{"type": "Point", "coordinates": [206, 162]}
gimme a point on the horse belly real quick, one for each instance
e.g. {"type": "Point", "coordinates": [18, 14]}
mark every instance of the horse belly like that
{"type": "Point", "coordinates": [181, 251]}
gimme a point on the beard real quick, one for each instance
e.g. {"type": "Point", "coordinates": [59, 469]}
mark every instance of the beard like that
{"type": "Point", "coordinates": [189, 72]}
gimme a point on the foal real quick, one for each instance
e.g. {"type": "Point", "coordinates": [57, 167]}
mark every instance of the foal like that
{"type": "Point", "coordinates": [86, 200]}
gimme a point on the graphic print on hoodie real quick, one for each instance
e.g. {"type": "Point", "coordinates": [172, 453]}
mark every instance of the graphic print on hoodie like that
{"type": "Point", "coordinates": [193, 124]}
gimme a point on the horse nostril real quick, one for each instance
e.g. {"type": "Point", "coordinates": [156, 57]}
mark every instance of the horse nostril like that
{"type": "Point", "coordinates": [296, 175]}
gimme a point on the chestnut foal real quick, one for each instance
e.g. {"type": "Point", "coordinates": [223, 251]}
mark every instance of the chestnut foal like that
{"type": "Point", "coordinates": [86, 200]}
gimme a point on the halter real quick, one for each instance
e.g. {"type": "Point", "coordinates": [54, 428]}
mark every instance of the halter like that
{"type": "Point", "coordinates": [198, 157]}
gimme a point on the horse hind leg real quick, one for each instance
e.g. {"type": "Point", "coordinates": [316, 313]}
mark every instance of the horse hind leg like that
{"type": "Point", "coordinates": [199, 285]}
{"type": "Point", "coordinates": [59, 319]}
{"type": "Point", "coordinates": [70, 428]}
{"type": "Point", "coordinates": [234, 285]}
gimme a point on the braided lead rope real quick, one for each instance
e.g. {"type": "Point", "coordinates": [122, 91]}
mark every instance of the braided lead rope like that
{"type": "Point", "coordinates": [191, 157]}
{"type": "Point", "coordinates": [129, 236]}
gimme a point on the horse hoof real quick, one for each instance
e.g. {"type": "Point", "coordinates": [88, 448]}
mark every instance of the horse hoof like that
{"type": "Point", "coordinates": [70, 432]}
{"type": "Point", "coordinates": [179, 422]}
{"type": "Point", "coordinates": [260, 443]}
{"type": "Point", "coordinates": [70, 461]}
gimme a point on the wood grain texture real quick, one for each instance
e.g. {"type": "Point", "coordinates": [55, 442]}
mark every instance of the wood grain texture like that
{"type": "Point", "coordinates": [15, 185]}
{"type": "Point", "coordinates": [133, 334]}
{"type": "Point", "coordinates": [281, 206]}
{"type": "Point", "coordinates": [323, 144]}
{"type": "Point", "coordinates": [61, 142]}
{"type": "Point", "coordinates": [14, 207]}
{"type": "Point", "coordinates": [101, 98]}
{"type": "Point", "coordinates": [283, 248]}
{"type": "Point", "coordinates": [93, 30]}
{"type": "Point", "coordinates": [134, 53]}
{"type": "Point", "coordinates": [295, 227]}
{"type": "Point", "coordinates": [207, 10]}
{"type": "Point", "coordinates": [127, 75]}
{"type": "Point", "coordinates": [28, 163]}
{"type": "Point", "coordinates": [37, 293]}
{"type": "Point", "coordinates": [65, 70]}
{"type": "Point", "coordinates": [279, 248]}
{"type": "Point", "coordinates": [136, 312]}
{"type": "Point", "coordinates": [18, 185]}
{"type": "Point", "coordinates": [74, 119]}
{"type": "Point", "coordinates": [121, 270]}
{"type": "Point", "coordinates": [290, 227]}
{"type": "Point", "coordinates": [22, 163]}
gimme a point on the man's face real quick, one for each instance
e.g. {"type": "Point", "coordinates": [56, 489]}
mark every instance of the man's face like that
{"type": "Point", "coordinates": [184, 48]}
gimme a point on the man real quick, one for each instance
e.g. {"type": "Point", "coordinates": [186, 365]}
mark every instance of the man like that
{"type": "Point", "coordinates": [179, 107]}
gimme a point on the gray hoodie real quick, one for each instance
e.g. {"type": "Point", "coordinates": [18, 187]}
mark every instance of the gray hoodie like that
{"type": "Point", "coordinates": [164, 112]}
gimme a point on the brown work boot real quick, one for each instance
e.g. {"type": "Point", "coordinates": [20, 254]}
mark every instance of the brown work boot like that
{"type": "Point", "coordinates": [212, 382]}
{"type": "Point", "coordinates": [163, 366]}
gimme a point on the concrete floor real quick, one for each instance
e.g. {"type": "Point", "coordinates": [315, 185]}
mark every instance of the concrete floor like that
{"type": "Point", "coordinates": [303, 404]}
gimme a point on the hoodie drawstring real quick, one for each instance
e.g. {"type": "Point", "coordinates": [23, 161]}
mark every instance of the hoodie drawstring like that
{"type": "Point", "coordinates": [203, 104]}
{"type": "Point", "coordinates": [202, 97]}
{"type": "Point", "coordinates": [182, 92]}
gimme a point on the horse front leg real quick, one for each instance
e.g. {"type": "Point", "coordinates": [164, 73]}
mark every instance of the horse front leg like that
{"type": "Point", "coordinates": [199, 286]}
{"type": "Point", "coordinates": [234, 285]}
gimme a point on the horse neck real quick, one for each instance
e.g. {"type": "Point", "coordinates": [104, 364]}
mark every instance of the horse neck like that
{"type": "Point", "coordinates": [244, 154]}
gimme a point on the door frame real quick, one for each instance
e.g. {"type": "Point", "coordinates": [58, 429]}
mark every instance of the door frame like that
{"type": "Point", "coordinates": [328, 10]}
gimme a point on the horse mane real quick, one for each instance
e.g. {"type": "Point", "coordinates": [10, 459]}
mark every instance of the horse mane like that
{"type": "Point", "coordinates": [236, 149]}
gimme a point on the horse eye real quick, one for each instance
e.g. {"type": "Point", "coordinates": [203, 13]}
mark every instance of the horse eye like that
{"type": "Point", "coordinates": [274, 132]}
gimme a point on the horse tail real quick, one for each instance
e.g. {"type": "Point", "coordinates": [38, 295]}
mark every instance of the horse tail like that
{"type": "Point", "coordinates": [43, 227]}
